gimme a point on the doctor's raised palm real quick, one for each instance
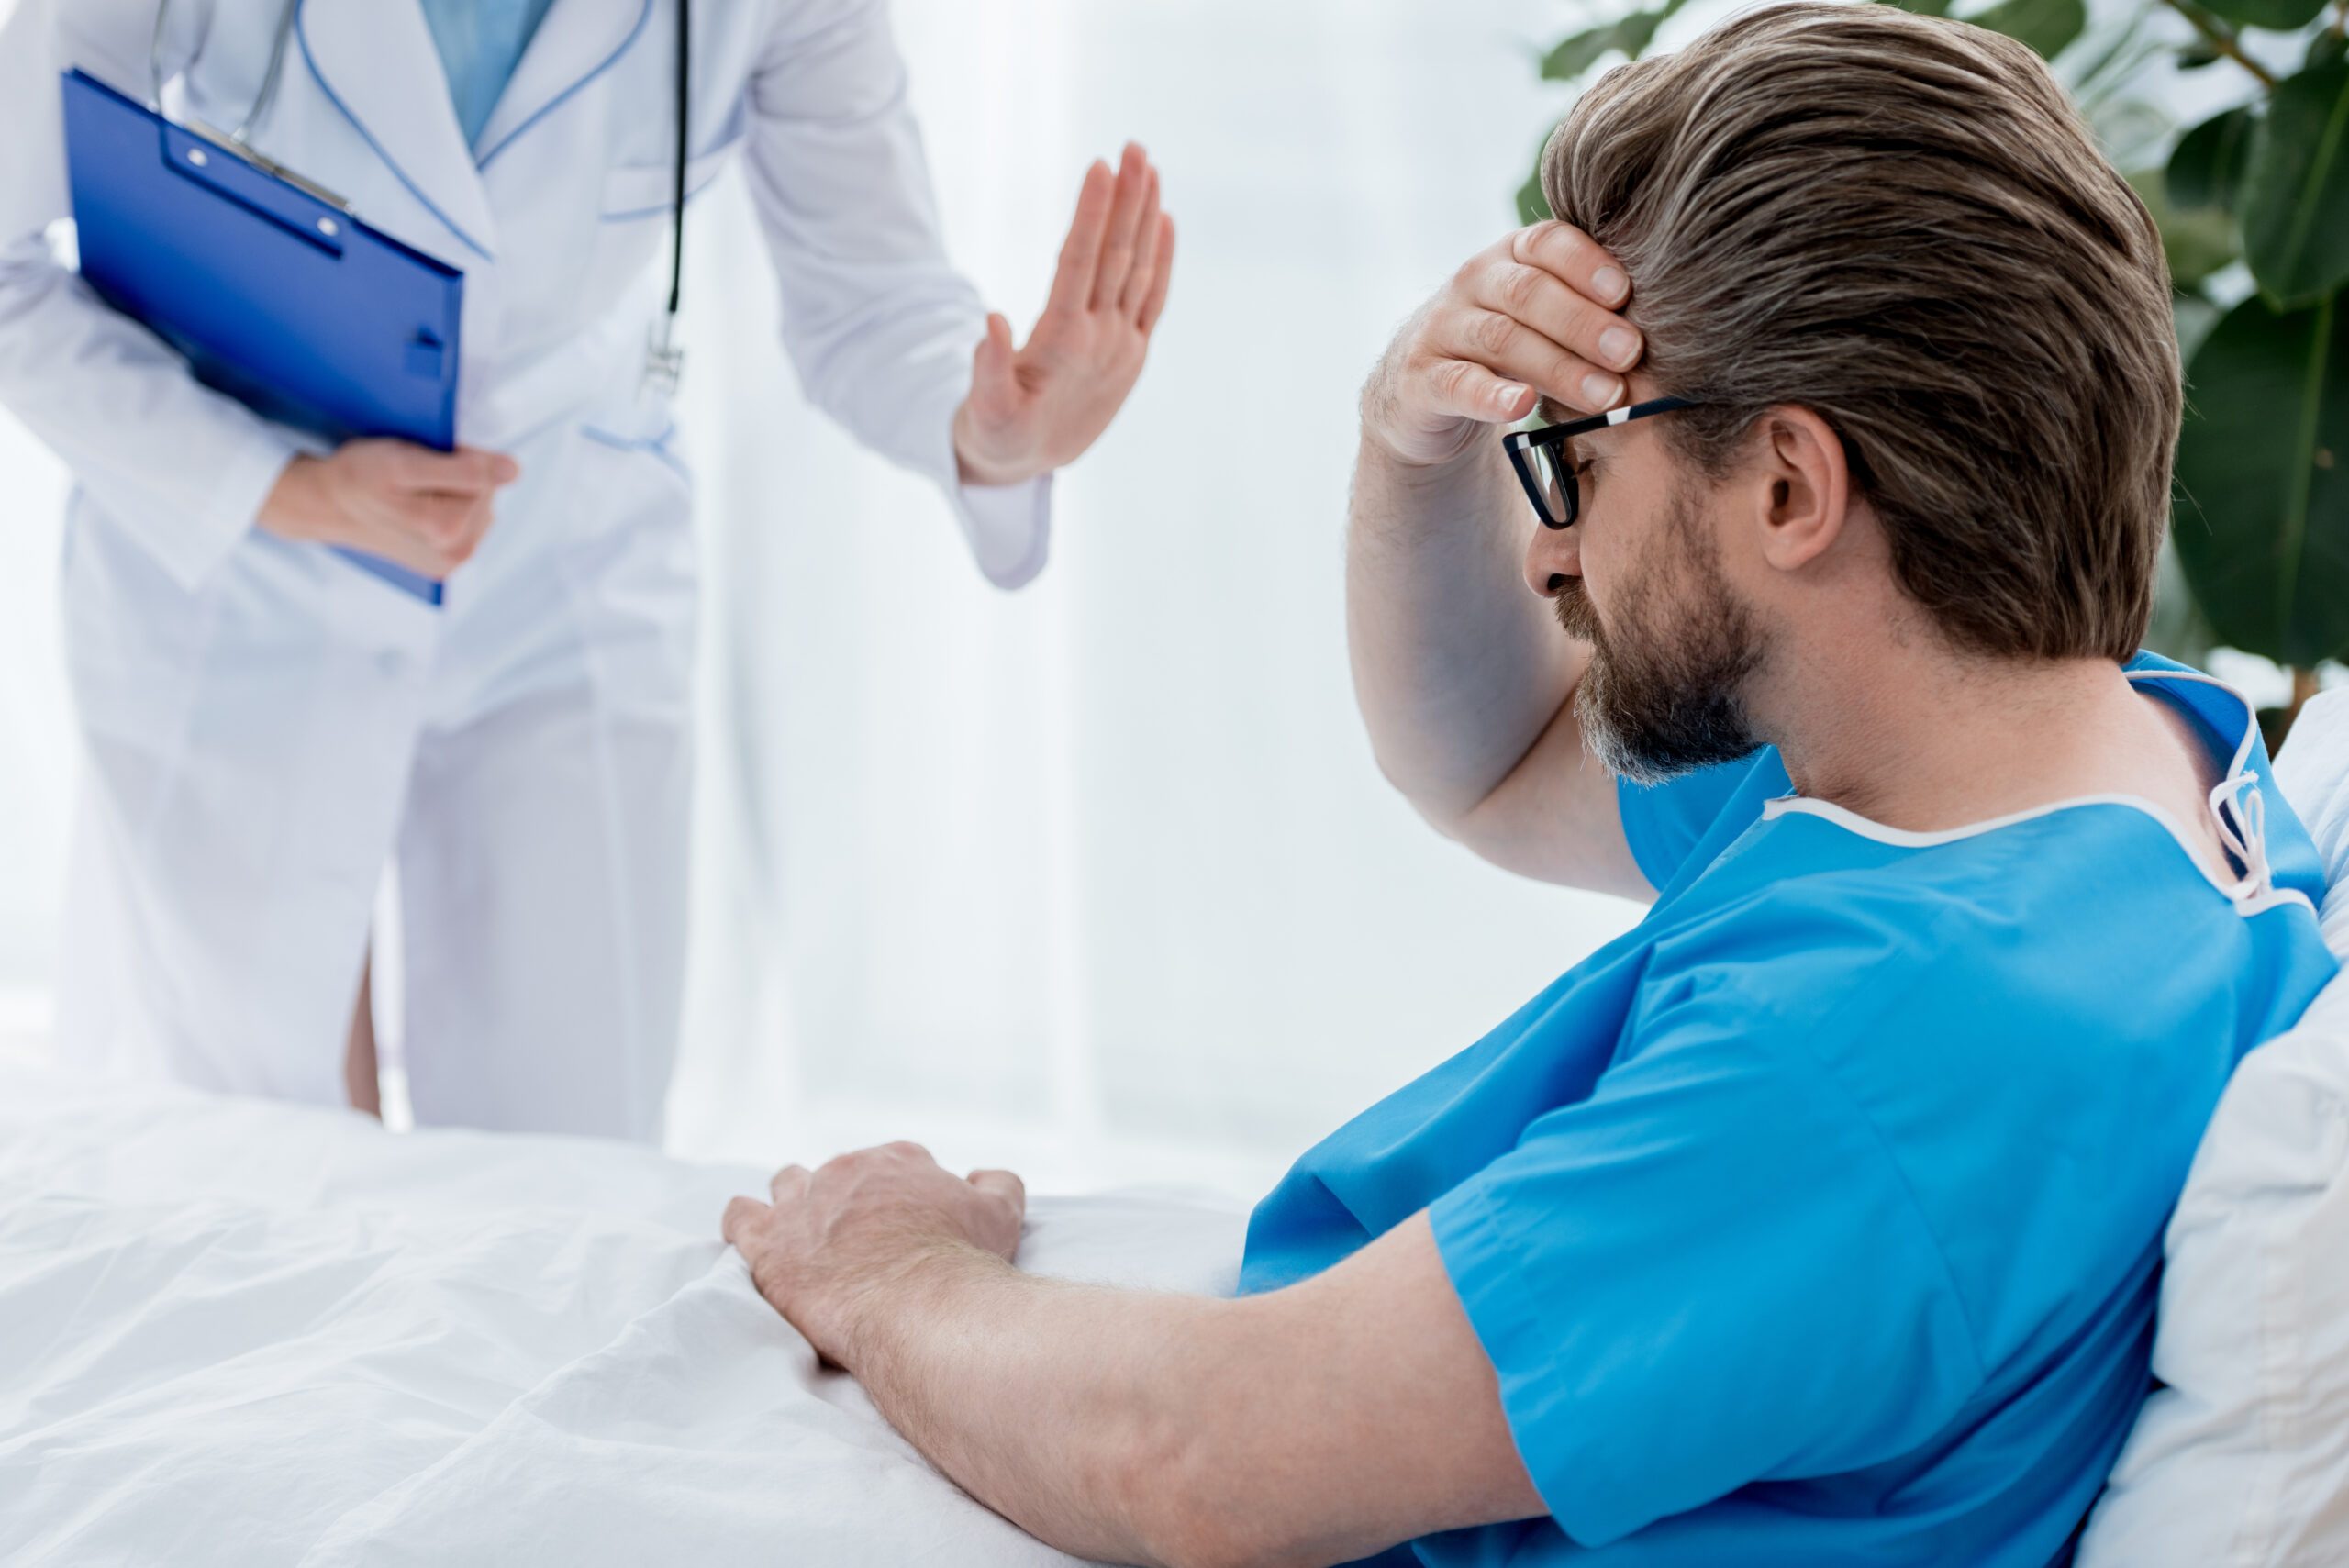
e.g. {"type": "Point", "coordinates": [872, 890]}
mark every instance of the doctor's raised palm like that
{"type": "Point", "coordinates": [1032, 409]}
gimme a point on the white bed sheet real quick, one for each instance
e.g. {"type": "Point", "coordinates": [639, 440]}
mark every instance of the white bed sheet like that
{"type": "Point", "coordinates": [234, 1333]}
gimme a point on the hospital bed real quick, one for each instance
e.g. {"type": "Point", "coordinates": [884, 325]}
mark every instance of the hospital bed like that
{"type": "Point", "coordinates": [241, 1333]}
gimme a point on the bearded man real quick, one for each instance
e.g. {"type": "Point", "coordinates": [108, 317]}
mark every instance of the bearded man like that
{"type": "Point", "coordinates": [1818, 1218]}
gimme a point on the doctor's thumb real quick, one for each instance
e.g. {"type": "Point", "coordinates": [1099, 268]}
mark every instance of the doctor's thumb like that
{"type": "Point", "coordinates": [474, 468]}
{"type": "Point", "coordinates": [993, 357]}
{"type": "Point", "coordinates": [502, 470]}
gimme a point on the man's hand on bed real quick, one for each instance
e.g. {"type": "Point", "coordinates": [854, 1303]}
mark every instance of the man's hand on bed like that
{"type": "Point", "coordinates": [832, 1239]}
{"type": "Point", "coordinates": [1315, 1424]}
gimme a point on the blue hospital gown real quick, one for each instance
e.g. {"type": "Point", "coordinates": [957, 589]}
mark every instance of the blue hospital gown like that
{"type": "Point", "coordinates": [1817, 1219]}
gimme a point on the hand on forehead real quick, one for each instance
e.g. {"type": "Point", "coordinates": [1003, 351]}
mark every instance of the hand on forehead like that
{"type": "Point", "coordinates": [1575, 260]}
{"type": "Point", "coordinates": [1534, 316]}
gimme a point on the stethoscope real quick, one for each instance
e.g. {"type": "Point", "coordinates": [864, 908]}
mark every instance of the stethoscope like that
{"type": "Point", "coordinates": [664, 361]}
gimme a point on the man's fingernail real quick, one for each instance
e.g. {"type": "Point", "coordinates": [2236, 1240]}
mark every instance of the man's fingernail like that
{"type": "Point", "coordinates": [1599, 391]}
{"type": "Point", "coordinates": [1611, 285]}
{"type": "Point", "coordinates": [1621, 345]}
{"type": "Point", "coordinates": [1509, 394]}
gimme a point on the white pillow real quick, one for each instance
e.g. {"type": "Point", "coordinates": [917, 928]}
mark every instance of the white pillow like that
{"type": "Point", "coordinates": [2243, 1460]}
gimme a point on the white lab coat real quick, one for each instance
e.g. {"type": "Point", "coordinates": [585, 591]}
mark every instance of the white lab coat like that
{"type": "Point", "coordinates": [268, 726]}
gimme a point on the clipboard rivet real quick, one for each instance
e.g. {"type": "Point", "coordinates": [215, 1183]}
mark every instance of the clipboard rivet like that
{"type": "Point", "coordinates": [196, 156]}
{"type": "Point", "coordinates": [329, 227]}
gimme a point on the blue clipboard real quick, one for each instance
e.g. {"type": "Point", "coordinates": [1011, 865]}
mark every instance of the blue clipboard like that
{"type": "Point", "coordinates": [276, 296]}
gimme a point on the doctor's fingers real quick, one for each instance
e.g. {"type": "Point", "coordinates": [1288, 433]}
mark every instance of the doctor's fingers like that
{"type": "Point", "coordinates": [1080, 252]}
{"type": "Point", "coordinates": [788, 1185]}
{"type": "Point", "coordinates": [1121, 242]}
{"type": "Point", "coordinates": [468, 471]}
{"type": "Point", "coordinates": [1150, 235]}
{"type": "Point", "coordinates": [386, 532]}
{"type": "Point", "coordinates": [1153, 304]}
{"type": "Point", "coordinates": [449, 526]}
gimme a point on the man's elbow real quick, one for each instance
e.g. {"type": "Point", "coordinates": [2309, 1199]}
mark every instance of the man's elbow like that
{"type": "Point", "coordinates": [1445, 811]}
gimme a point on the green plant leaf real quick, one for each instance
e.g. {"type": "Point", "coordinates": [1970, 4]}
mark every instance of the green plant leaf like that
{"type": "Point", "coordinates": [1636, 31]}
{"type": "Point", "coordinates": [2328, 47]}
{"type": "Point", "coordinates": [2283, 16]}
{"type": "Point", "coordinates": [2130, 128]}
{"type": "Point", "coordinates": [2205, 170]}
{"type": "Point", "coordinates": [2119, 52]}
{"type": "Point", "coordinates": [2196, 240]}
{"type": "Point", "coordinates": [2262, 520]}
{"type": "Point", "coordinates": [2197, 55]}
{"type": "Point", "coordinates": [2296, 188]}
{"type": "Point", "coordinates": [1577, 54]}
{"type": "Point", "coordinates": [2045, 25]}
{"type": "Point", "coordinates": [1628, 35]}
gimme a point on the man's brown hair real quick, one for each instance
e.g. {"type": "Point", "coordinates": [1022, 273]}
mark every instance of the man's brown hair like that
{"type": "Point", "coordinates": [1900, 223]}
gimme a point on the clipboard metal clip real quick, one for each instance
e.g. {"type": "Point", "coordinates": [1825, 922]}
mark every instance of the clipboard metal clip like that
{"type": "Point", "coordinates": [228, 143]}
{"type": "Point", "coordinates": [233, 141]}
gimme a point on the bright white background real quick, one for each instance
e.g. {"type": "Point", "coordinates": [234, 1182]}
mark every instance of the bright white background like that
{"type": "Point", "coordinates": [1097, 879]}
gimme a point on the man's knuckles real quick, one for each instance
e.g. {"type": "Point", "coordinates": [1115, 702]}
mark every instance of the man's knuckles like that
{"type": "Point", "coordinates": [1517, 289]}
{"type": "Point", "coordinates": [1556, 247]}
{"type": "Point", "coordinates": [1456, 381]}
{"type": "Point", "coordinates": [1489, 333]}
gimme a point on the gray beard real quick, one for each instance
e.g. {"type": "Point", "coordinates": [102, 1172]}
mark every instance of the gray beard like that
{"type": "Point", "coordinates": [1650, 709]}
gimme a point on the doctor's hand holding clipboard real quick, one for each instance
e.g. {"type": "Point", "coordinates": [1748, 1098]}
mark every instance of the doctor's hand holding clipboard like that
{"type": "Point", "coordinates": [417, 508]}
{"type": "Point", "coordinates": [270, 723]}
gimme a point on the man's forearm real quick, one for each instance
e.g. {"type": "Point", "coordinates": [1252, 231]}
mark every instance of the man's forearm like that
{"type": "Point", "coordinates": [1457, 667]}
{"type": "Point", "coordinates": [1047, 1401]}
{"type": "Point", "coordinates": [1318, 1423]}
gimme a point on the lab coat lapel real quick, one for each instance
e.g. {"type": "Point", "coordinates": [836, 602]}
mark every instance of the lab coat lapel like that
{"type": "Point", "coordinates": [577, 41]}
{"type": "Point", "coordinates": [376, 60]}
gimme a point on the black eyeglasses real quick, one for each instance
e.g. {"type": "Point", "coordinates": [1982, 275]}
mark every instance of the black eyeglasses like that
{"type": "Point", "coordinates": [1541, 461]}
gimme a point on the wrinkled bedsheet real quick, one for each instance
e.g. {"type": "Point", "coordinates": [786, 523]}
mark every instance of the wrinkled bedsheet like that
{"type": "Point", "coordinates": [234, 1333]}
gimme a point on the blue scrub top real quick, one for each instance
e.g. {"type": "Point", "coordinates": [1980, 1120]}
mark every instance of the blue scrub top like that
{"type": "Point", "coordinates": [1817, 1219]}
{"type": "Point", "coordinates": [480, 43]}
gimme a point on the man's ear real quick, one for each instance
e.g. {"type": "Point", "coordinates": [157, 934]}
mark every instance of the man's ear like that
{"type": "Point", "coordinates": [1802, 488]}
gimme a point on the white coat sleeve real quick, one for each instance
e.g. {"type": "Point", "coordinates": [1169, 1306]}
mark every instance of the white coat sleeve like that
{"type": "Point", "coordinates": [183, 467]}
{"type": "Point", "coordinates": [876, 320]}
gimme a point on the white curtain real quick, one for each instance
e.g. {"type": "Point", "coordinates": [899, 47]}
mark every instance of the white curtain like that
{"type": "Point", "coordinates": [1100, 876]}
{"type": "Point", "coordinates": [1098, 879]}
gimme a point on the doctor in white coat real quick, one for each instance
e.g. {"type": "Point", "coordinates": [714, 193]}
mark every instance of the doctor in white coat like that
{"type": "Point", "coordinates": [268, 726]}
